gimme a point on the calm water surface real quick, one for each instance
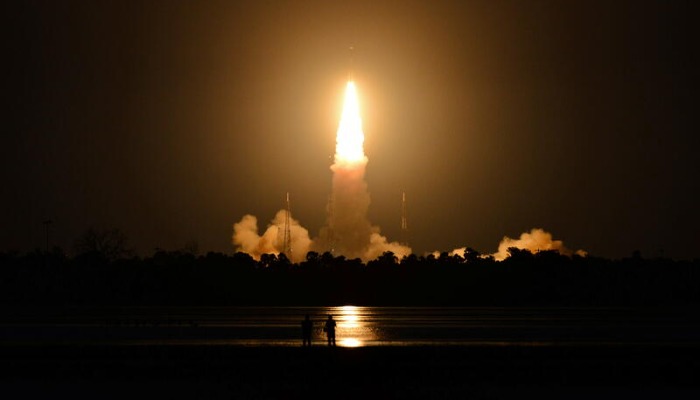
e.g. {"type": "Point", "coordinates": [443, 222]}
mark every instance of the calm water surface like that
{"type": "Point", "coordinates": [357, 326]}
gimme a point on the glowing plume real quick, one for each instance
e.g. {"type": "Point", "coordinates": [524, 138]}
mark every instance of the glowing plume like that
{"type": "Point", "coordinates": [348, 231]}
{"type": "Point", "coordinates": [350, 138]}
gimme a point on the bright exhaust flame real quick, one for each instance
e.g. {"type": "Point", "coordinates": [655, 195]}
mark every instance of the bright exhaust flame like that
{"type": "Point", "coordinates": [348, 231]}
{"type": "Point", "coordinates": [350, 138]}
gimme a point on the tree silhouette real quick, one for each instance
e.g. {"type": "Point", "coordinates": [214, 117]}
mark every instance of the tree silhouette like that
{"type": "Point", "coordinates": [267, 260]}
{"type": "Point", "coordinates": [471, 256]}
{"type": "Point", "coordinates": [312, 257]}
{"type": "Point", "coordinates": [519, 255]}
{"type": "Point", "coordinates": [108, 244]}
{"type": "Point", "coordinates": [387, 260]}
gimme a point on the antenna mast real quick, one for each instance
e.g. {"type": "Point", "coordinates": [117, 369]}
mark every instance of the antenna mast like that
{"type": "Point", "coordinates": [287, 231]}
{"type": "Point", "coordinates": [330, 234]}
{"type": "Point", "coordinates": [404, 220]}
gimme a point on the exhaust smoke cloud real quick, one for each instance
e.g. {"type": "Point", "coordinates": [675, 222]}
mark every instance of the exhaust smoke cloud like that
{"type": "Point", "coordinates": [347, 231]}
{"type": "Point", "coordinates": [535, 240]}
{"type": "Point", "coordinates": [247, 240]}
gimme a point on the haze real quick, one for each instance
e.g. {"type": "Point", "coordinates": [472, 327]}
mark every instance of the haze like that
{"type": "Point", "coordinates": [171, 120]}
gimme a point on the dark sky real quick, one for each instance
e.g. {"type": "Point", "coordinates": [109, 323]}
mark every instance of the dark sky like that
{"type": "Point", "coordinates": [170, 120]}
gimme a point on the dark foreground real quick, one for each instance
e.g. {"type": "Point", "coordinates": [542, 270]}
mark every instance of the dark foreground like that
{"type": "Point", "coordinates": [100, 371]}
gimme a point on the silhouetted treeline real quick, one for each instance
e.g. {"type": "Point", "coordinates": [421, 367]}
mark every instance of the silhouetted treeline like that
{"type": "Point", "coordinates": [182, 278]}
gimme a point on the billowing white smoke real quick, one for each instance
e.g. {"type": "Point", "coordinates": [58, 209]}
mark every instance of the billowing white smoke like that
{"type": "Point", "coordinates": [347, 232]}
{"type": "Point", "coordinates": [535, 240]}
{"type": "Point", "coordinates": [247, 240]}
{"type": "Point", "coordinates": [456, 252]}
{"type": "Point", "coordinates": [379, 245]}
{"type": "Point", "coordinates": [368, 245]}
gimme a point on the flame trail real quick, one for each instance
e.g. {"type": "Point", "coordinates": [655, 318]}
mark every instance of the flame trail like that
{"type": "Point", "coordinates": [349, 150]}
{"type": "Point", "coordinates": [348, 232]}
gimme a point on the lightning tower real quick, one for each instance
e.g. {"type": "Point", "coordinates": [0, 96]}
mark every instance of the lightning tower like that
{"type": "Point", "coordinates": [287, 231]}
{"type": "Point", "coordinates": [330, 207]}
{"type": "Point", "coordinates": [404, 220]}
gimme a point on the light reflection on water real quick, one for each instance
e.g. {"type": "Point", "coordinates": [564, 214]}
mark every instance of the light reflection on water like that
{"type": "Point", "coordinates": [354, 329]}
{"type": "Point", "coordinates": [357, 326]}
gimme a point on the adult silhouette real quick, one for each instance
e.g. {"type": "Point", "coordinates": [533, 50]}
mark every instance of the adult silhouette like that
{"type": "Point", "coordinates": [329, 328]}
{"type": "Point", "coordinates": [306, 328]}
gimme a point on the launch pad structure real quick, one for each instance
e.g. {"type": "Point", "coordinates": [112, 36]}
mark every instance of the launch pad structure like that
{"type": "Point", "coordinates": [288, 230]}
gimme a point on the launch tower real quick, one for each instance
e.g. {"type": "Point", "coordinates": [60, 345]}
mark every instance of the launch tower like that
{"type": "Point", "coordinates": [404, 221]}
{"type": "Point", "coordinates": [287, 231]}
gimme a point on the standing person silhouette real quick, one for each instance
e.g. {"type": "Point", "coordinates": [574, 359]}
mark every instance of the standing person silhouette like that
{"type": "Point", "coordinates": [306, 328]}
{"type": "Point", "coordinates": [329, 328]}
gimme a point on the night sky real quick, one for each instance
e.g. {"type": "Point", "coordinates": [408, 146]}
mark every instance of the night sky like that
{"type": "Point", "coordinates": [170, 120]}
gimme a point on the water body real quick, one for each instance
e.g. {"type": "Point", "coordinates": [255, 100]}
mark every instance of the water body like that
{"type": "Point", "coordinates": [357, 326]}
